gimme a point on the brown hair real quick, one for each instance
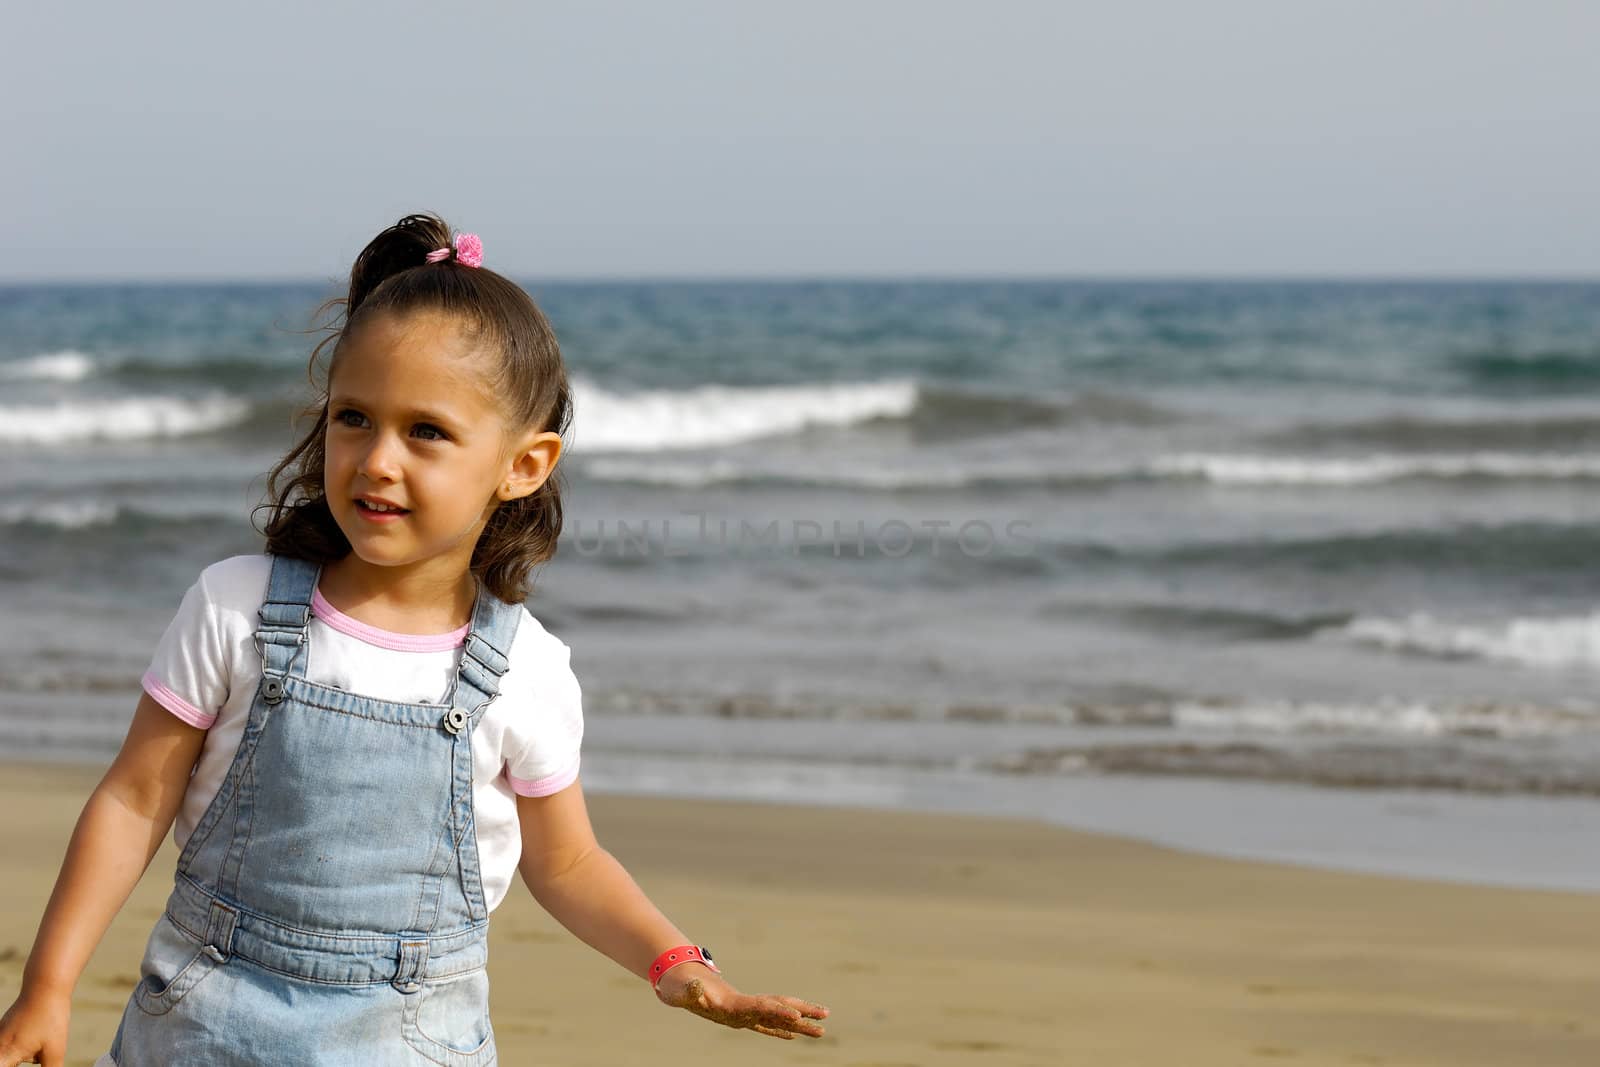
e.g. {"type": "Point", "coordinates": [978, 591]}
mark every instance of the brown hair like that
{"type": "Point", "coordinates": [392, 275]}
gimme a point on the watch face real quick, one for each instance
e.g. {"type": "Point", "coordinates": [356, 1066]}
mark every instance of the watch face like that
{"type": "Point", "coordinates": [705, 952]}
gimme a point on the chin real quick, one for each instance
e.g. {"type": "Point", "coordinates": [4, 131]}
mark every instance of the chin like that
{"type": "Point", "coordinates": [377, 556]}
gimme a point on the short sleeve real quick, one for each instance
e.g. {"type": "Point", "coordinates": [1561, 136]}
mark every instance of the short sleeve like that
{"type": "Point", "coordinates": [189, 673]}
{"type": "Point", "coordinates": [543, 746]}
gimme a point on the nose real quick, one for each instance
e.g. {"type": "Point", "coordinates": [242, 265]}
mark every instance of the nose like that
{"type": "Point", "coordinates": [381, 461]}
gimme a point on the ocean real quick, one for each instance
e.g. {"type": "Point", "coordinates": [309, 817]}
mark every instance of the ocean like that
{"type": "Point", "coordinates": [1084, 551]}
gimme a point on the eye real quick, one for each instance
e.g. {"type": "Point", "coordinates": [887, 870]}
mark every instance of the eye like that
{"type": "Point", "coordinates": [426, 428]}
{"type": "Point", "coordinates": [348, 417]}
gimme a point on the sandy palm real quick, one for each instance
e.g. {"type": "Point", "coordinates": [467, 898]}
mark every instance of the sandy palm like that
{"type": "Point", "coordinates": [775, 1016]}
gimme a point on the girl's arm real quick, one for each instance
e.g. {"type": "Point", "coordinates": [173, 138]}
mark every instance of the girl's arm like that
{"type": "Point", "coordinates": [590, 893]}
{"type": "Point", "coordinates": [121, 827]}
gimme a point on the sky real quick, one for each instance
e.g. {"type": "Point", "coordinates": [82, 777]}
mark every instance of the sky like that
{"type": "Point", "coordinates": [868, 138]}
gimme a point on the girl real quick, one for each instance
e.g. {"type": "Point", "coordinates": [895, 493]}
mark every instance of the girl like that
{"type": "Point", "coordinates": [359, 732]}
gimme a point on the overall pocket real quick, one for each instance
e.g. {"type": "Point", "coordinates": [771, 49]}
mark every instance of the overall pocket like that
{"type": "Point", "coordinates": [174, 963]}
{"type": "Point", "coordinates": [447, 1020]}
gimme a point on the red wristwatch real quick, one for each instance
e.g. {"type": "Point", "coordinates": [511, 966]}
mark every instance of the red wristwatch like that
{"type": "Point", "coordinates": [681, 954]}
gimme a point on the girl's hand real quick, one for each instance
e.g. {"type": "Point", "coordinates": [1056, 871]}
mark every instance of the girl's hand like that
{"type": "Point", "coordinates": [708, 995]}
{"type": "Point", "coordinates": [34, 1030]}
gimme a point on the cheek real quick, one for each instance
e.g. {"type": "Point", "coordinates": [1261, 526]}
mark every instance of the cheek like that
{"type": "Point", "coordinates": [334, 454]}
{"type": "Point", "coordinates": [334, 466]}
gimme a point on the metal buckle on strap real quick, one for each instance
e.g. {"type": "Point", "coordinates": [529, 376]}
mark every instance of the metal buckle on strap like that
{"type": "Point", "coordinates": [486, 655]}
{"type": "Point", "coordinates": [261, 651]}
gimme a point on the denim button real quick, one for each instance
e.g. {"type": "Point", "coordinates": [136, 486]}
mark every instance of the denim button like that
{"type": "Point", "coordinates": [455, 720]}
{"type": "Point", "coordinates": [272, 690]}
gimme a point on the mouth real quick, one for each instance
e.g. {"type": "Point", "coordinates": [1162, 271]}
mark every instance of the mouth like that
{"type": "Point", "coordinates": [377, 510]}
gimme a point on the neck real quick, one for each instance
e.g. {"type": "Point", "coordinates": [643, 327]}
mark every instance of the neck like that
{"type": "Point", "coordinates": [417, 597]}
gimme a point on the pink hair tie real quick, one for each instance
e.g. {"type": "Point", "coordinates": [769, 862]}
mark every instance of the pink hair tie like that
{"type": "Point", "coordinates": [468, 250]}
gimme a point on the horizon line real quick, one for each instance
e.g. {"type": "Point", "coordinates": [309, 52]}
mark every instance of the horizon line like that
{"type": "Point", "coordinates": [857, 279]}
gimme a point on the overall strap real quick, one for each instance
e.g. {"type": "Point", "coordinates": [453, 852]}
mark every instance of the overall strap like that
{"type": "Point", "coordinates": [284, 613]}
{"type": "Point", "coordinates": [485, 658]}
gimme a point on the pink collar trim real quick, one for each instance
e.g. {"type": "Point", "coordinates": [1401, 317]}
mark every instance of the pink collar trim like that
{"type": "Point", "coordinates": [385, 638]}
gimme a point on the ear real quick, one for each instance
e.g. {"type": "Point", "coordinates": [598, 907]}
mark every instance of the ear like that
{"type": "Point", "coordinates": [532, 460]}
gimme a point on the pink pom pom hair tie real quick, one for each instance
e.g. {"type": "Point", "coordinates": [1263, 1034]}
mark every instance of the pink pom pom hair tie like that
{"type": "Point", "coordinates": [468, 250]}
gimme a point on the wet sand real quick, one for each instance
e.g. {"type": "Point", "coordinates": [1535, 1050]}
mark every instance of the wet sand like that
{"type": "Point", "coordinates": [960, 940]}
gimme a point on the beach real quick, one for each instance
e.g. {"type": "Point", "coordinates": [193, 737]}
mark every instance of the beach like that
{"type": "Point", "coordinates": [956, 939]}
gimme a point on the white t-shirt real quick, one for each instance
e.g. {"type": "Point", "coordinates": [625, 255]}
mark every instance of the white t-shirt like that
{"type": "Point", "coordinates": [206, 670]}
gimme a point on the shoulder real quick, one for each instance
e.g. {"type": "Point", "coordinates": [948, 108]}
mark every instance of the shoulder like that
{"type": "Point", "coordinates": [237, 584]}
{"type": "Point", "coordinates": [540, 673]}
{"type": "Point", "coordinates": [541, 722]}
{"type": "Point", "coordinates": [536, 650]}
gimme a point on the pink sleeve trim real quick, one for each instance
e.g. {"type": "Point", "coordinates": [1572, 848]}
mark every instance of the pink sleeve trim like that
{"type": "Point", "coordinates": [175, 703]}
{"type": "Point", "coordinates": [543, 787]}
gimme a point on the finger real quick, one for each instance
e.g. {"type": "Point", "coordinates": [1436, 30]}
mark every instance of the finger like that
{"type": "Point", "coordinates": [806, 1008]}
{"type": "Point", "coordinates": [808, 1029]}
{"type": "Point", "coordinates": [770, 1032]}
{"type": "Point", "coordinates": [782, 1017]}
{"type": "Point", "coordinates": [53, 1056]}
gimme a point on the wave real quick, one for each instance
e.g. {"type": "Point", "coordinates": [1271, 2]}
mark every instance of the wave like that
{"type": "Point", "coordinates": [235, 375]}
{"type": "Point", "coordinates": [1519, 548]}
{"type": "Point", "coordinates": [1549, 371]}
{"type": "Point", "coordinates": [1559, 432]}
{"type": "Point", "coordinates": [1353, 764]}
{"type": "Point", "coordinates": [1571, 641]}
{"type": "Point", "coordinates": [52, 517]}
{"type": "Point", "coordinates": [1187, 619]}
{"type": "Point", "coordinates": [606, 421]}
{"type": "Point", "coordinates": [1241, 471]}
{"type": "Point", "coordinates": [60, 514]}
{"type": "Point", "coordinates": [128, 418]}
{"type": "Point", "coordinates": [945, 409]}
{"type": "Point", "coordinates": [1390, 719]}
{"type": "Point", "coordinates": [1397, 718]}
{"type": "Point", "coordinates": [66, 366]}
{"type": "Point", "coordinates": [1257, 470]}
{"type": "Point", "coordinates": [701, 474]}
{"type": "Point", "coordinates": [713, 415]}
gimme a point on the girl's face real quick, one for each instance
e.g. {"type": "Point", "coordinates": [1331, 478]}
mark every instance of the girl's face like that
{"type": "Point", "coordinates": [412, 425]}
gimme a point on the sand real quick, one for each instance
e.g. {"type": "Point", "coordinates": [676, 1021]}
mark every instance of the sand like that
{"type": "Point", "coordinates": [955, 940]}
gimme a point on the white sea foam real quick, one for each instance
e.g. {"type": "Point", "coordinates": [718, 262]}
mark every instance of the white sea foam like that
{"type": "Point", "coordinates": [711, 415]}
{"type": "Point", "coordinates": [1405, 718]}
{"type": "Point", "coordinates": [1570, 641]}
{"type": "Point", "coordinates": [67, 514]}
{"type": "Point", "coordinates": [1227, 470]}
{"type": "Point", "coordinates": [118, 418]}
{"type": "Point", "coordinates": [689, 475]}
{"type": "Point", "coordinates": [1243, 469]}
{"type": "Point", "coordinates": [68, 366]}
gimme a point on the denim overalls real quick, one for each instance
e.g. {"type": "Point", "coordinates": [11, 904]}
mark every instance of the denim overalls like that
{"type": "Point", "coordinates": [328, 907]}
